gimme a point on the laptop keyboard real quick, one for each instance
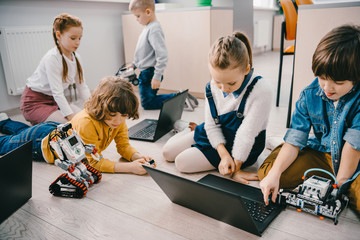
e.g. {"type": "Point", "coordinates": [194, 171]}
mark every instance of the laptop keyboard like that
{"type": "Point", "coordinates": [258, 210]}
{"type": "Point", "coordinates": [145, 133]}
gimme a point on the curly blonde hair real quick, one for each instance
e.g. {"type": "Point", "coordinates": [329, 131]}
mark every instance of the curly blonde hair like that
{"type": "Point", "coordinates": [112, 95]}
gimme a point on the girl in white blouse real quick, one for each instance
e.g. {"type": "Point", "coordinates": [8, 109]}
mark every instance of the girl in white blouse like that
{"type": "Point", "coordinates": [237, 107]}
{"type": "Point", "coordinates": [43, 98]}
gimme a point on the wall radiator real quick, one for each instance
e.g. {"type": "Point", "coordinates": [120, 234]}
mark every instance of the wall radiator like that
{"type": "Point", "coordinates": [21, 50]}
{"type": "Point", "coordinates": [262, 33]}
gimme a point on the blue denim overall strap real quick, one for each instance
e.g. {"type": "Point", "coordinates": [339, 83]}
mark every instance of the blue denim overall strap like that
{"type": "Point", "coordinates": [210, 98]}
{"type": "Point", "coordinates": [229, 122]}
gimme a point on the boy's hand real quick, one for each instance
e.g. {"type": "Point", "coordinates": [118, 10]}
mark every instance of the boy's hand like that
{"type": "Point", "coordinates": [226, 165]}
{"type": "Point", "coordinates": [137, 168]}
{"type": "Point", "coordinates": [155, 84]}
{"type": "Point", "coordinates": [146, 159]}
{"type": "Point", "coordinates": [270, 184]}
{"type": "Point", "coordinates": [129, 65]}
{"type": "Point", "coordinates": [245, 177]}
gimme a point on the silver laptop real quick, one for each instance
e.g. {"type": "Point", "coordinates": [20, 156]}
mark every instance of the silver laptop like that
{"type": "Point", "coordinates": [151, 129]}
{"type": "Point", "coordinates": [234, 203]}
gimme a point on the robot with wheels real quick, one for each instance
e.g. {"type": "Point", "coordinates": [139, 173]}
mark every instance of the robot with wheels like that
{"type": "Point", "coordinates": [316, 195]}
{"type": "Point", "coordinates": [69, 152]}
{"type": "Point", "coordinates": [128, 74]}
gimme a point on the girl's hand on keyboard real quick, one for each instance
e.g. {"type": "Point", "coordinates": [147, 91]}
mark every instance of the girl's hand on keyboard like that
{"type": "Point", "coordinates": [245, 177]}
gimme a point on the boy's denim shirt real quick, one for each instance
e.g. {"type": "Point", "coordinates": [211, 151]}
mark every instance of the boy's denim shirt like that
{"type": "Point", "coordinates": [331, 126]}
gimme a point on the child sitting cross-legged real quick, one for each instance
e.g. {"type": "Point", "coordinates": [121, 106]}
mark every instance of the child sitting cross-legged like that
{"type": "Point", "coordinates": [237, 108]}
{"type": "Point", "coordinates": [330, 106]}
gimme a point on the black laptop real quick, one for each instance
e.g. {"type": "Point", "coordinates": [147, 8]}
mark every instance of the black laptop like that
{"type": "Point", "coordinates": [150, 129]}
{"type": "Point", "coordinates": [237, 204]}
{"type": "Point", "coordinates": [15, 179]}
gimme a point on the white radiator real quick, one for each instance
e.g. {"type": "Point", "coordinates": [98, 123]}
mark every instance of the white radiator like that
{"type": "Point", "coordinates": [262, 33]}
{"type": "Point", "coordinates": [21, 50]}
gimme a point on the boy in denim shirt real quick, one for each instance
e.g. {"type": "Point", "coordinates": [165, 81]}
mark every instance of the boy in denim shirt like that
{"type": "Point", "coordinates": [330, 105]}
{"type": "Point", "coordinates": [150, 55]}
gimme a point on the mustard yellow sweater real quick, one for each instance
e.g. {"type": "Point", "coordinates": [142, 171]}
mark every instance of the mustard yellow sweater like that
{"type": "Point", "coordinates": [101, 135]}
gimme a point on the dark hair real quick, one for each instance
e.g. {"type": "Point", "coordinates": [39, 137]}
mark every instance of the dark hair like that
{"type": "Point", "coordinates": [61, 24]}
{"type": "Point", "coordinates": [231, 52]}
{"type": "Point", "coordinates": [112, 95]}
{"type": "Point", "coordinates": [337, 57]}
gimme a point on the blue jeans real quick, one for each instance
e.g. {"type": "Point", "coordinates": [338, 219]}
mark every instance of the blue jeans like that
{"type": "Point", "coordinates": [148, 97]}
{"type": "Point", "coordinates": [19, 133]}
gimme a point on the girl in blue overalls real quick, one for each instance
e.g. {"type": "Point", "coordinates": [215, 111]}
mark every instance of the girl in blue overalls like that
{"type": "Point", "coordinates": [237, 108]}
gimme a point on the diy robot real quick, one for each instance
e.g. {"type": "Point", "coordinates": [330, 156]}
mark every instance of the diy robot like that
{"type": "Point", "coordinates": [316, 195]}
{"type": "Point", "coordinates": [128, 74]}
{"type": "Point", "coordinates": [69, 152]}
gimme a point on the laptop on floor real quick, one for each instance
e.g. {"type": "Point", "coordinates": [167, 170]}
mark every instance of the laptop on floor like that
{"type": "Point", "coordinates": [15, 179]}
{"type": "Point", "coordinates": [237, 204]}
{"type": "Point", "coordinates": [150, 129]}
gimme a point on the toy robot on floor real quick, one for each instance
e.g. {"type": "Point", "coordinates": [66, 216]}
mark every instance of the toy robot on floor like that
{"type": "Point", "coordinates": [316, 195]}
{"type": "Point", "coordinates": [69, 152]}
{"type": "Point", "coordinates": [128, 74]}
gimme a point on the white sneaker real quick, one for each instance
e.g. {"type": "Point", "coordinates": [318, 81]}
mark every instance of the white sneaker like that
{"type": "Point", "coordinates": [3, 116]}
{"type": "Point", "coordinates": [180, 125]}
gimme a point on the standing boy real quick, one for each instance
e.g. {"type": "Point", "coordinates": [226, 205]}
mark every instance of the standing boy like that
{"type": "Point", "coordinates": [151, 56]}
{"type": "Point", "coordinates": [330, 105]}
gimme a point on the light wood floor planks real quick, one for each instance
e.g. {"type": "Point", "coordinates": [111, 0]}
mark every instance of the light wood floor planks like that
{"type": "Point", "coordinates": [126, 206]}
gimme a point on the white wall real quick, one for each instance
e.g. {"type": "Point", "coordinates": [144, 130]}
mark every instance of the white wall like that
{"type": "Point", "coordinates": [192, 3]}
{"type": "Point", "coordinates": [243, 12]}
{"type": "Point", "coordinates": [102, 44]}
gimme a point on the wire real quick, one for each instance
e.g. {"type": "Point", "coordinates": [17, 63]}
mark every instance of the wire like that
{"type": "Point", "coordinates": [321, 170]}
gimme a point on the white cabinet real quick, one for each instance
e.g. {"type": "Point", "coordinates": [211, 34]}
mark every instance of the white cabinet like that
{"type": "Point", "coordinates": [189, 33]}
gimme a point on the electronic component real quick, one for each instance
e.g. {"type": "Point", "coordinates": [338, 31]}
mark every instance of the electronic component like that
{"type": "Point", "coordinates": [316, 195]}
{"type": "Point", "coordinates": [128, 74]}
{"type": "Point", "coordinates": [69, 153]}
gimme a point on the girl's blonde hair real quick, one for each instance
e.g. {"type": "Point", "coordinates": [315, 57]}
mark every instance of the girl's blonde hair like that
{"type": "Point", "coordinates": [231, 51]}
{"type": "Point", "coordinates": [112, 95]}
{"type": "Point", "coordinates": [62, 23]}
{"type": "Point", "coordinates": [142, 5]}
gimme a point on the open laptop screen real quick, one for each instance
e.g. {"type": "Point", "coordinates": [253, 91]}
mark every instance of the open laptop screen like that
{"type": "Point", "coordinates": [15, 179]}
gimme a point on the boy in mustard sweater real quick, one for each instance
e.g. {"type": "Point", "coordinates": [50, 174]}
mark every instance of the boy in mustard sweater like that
{"type": "Point", "coordinates": [102, 121]}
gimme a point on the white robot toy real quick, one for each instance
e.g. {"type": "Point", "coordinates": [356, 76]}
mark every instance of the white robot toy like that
{"type": "Point", "coordinates": [69, 152]}
{"type": "Point", "coordinates": [317, 195]}
{"type": "Point", "coordinates": [128, 74]}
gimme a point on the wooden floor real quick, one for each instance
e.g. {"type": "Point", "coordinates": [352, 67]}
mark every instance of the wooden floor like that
{"type": "Point", "coordinates": [126, 206]}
